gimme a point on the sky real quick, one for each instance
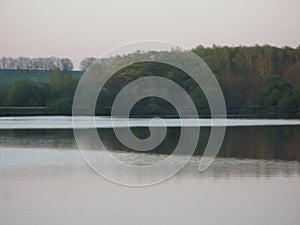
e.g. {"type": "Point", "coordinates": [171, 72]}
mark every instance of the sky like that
{"type": "Point", "coordinates": [81, 28]}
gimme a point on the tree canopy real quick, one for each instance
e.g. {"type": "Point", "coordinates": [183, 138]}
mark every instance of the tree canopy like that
{"type": "Point", "coordinates": [264, 78]}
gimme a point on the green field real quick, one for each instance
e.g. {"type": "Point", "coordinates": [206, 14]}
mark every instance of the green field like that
{"type": "Point", "coordinates": [8, 76]}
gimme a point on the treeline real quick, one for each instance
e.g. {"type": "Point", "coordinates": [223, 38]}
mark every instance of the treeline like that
{"type": "Point", "coordinates": [258, 76]}
{"type": "Point", "coordinates": [255, 80]}
{"type": "Point", "coordinates": [48, 63]}
{"type": "Point", "coordinates": [56, 96]}
{"type": "Point", "coordinates": [245, 69]}
{"type": "Point", "coordinates": [25, 63]}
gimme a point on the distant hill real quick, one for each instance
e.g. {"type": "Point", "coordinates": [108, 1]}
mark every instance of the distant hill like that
{"type": "Point", "coordinates": [8, 76]}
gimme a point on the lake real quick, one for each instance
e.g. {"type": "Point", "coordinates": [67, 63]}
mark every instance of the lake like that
{"type": "Point", "coordinates": [255, 178]}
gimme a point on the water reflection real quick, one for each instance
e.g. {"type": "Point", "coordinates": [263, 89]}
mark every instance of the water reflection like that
{"type": "Point", "coordinates": [271, 142]}
{"type": "Point", "coordinates": [38, 138]}
{"type": "Point", "coordinates": [42, 177]}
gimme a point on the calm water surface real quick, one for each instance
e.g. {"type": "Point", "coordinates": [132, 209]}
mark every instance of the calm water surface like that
{"type": "Point", "coordinates": [254, 180]}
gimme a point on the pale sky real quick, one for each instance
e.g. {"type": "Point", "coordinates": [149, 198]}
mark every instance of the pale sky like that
{"type": "Point", "coordinates": [80, 28]}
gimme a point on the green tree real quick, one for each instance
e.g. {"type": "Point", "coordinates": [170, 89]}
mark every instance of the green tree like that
{"type": "Point", "coordinates": [297, 99]}
{"type": "Point", "coordinates": [61, 91]}
{"type": "Point", "coordinates": [277, 93]}
{"type": "Point", "coordinates": [3, 94]}
{"type": "Point", "coordinates": [25, 93]}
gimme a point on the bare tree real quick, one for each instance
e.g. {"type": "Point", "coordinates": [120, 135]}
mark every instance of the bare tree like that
{"type": "Point", "coordinates": [66, 64]}
{"type": "Point", "coordinates": [25, 63]}
{"type": "Point", "coordinates": [86, 62]}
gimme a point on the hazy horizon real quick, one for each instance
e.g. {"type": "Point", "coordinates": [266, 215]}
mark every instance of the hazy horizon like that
{"type": "Point", "coordinates": [77, 29]}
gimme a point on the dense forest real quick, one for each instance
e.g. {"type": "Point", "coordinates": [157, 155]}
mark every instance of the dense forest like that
{"type": "Point", "coordinates": [258, 80]}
